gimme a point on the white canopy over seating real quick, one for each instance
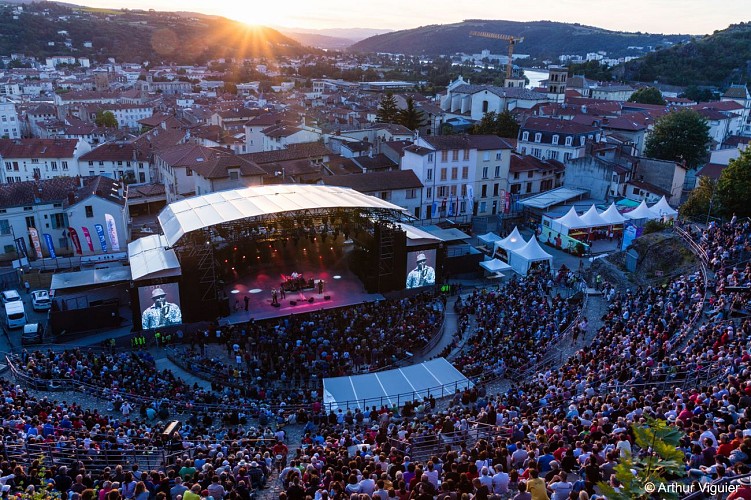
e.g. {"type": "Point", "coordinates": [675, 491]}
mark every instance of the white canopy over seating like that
{"type": "Point", "coordinates": [641, 212]}
{"type": "Point", "coordinates": [489, 238]}
{"type": "Point", "coordinates": [390, 387]}
{"type": "Point", "coordinates": [511, 242]}
{"type": "Point", "coordinates": [522, 258]}
{"type": "Point", "coordinates": [612, 216]}
{"type": "Point", "coordinates": [569, 221]}
{"type": "Point", "coordinates": [663, 209]}
{"type": "Point", "coordinates": [494, 266]}
{"type": "Point", "coordinates": [150, 257]}
{"type": "Point", "coordinates": [592, 218]}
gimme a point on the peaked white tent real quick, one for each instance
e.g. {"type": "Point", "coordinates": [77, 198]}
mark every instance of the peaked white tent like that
{"type": "Point", "coordinates": [489, 238]}
{"type": "Point", "coordinates": [510, 242]}
{"type": "Point", "coordinates": [612, 215]}
{"type": "Point", "coordinates": [663, 209]}
{"type": "Point", "coordinates": [592, 218]}
{"type": "Point", "coordinates": [569, 221]}
{"type": "Point", "coordinates": [641, 212]}
{"type": "Point", "coordinates": [522, 259]}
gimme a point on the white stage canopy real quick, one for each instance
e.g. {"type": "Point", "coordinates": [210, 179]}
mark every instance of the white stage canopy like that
{"type": "Point", "coordinates": [641, 212]}
{"type": "Point", "coordinates": [418, 237]}
{"type": "Point", "coordinates": [662, 209]}
{"type": "Point", "coordinates": [612, 216]}
{"type": "Point", "coordinates": [151, 257]}
{"type": "Point", "coordinates": [511, 242]}
{"type": "Point", "coordinates": [437, 377]}
{"type": "Point", "coordinates": [523, 258]}
{"type": "Point", "coordinates": [569, 221]}
{"type": "Point", "coordinates": [494, 266]}
{"type": "Point", "coordinates": [199, 212]}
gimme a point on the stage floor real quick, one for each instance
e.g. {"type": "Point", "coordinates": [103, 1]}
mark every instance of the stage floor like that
{"type": "Point", "coordinates": [342, 286]}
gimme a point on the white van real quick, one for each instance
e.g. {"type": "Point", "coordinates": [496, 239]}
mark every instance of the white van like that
{"type": "Point", "coordinates": [15, 314]}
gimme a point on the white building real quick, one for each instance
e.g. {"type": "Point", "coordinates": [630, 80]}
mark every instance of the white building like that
{"type": "Point", "coordinates": [10, 126]}
{"type": "Point", "coordinates": [401, 188]}
{"type": "Point", "coordinates": [122, 161]}
{"type": "Point", "coordinates": [37, 159]}
{"type": "Point", "coordinates": [555, 139]}
{"type": "Point", "coordinates": [473, 101]}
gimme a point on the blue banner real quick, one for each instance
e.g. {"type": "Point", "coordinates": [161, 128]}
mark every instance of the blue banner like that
{"type": "Point", "coordinates": [50, 246]}
{"type": "Point", "coordinates": [102, 240]}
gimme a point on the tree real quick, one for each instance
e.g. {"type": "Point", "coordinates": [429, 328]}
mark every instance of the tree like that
{"type": "Point", "coordinates": [680, 136]}
{"type": "Point", "coordinates": [698, 95]}
{"type": "Point", "coordinates": [105, 119]}
{"type": "Point", "coordinates": [387, 109]}
{"type": "Point", "coordinates": [411, 117]}
{"type": "Point", "coordinates": [699, 200]}
{"type": "Point", "coordinates": [504, 125]}
{"type": "Point", "coordinates": [659, 460]}
{"type": "Point", "coordinates": [734, 186]}
{"type": "Point", "coordinates": [647, 95]}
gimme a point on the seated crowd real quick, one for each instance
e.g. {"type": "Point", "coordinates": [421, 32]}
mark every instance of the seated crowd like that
{"type": "Point", "coordinates": [553, 435]}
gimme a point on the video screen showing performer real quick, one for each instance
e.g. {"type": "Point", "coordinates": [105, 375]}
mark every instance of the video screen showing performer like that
{"type": "Point", "coordinates": [161, 305]}
{"type": "Point", "coordinates": [420, 270]}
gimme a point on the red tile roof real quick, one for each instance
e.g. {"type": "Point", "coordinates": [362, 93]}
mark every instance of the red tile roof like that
{"type": "Point", "coordinates": [38, 148]}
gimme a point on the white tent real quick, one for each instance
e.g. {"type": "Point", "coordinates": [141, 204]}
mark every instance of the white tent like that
{"type": "Point", "coordinates": [150, 257]}
{"type": "Point", "coordinates": [569, 221]}
{"type": "Point", "coordinates": [494, 266]}
{"type": "Point", "coordinates": [592, 218]}
{"type": "Point", "coordinates": [662, 209]}
{"type": "Point", "coordinates": [641, 212]}
{"type": "Point", "coordinates": [612, 215]}
{"type": "Point", "coordinates": [489, 238]}
{"type": "Point", "coordinates": [437, 377]}
{"type": "Point", "coordinates": [521, 259]}
{"type": "Point", "coordinates": [510, 242]}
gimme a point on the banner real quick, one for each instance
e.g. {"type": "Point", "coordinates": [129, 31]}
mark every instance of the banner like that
{"type": "Point", "coordinates": [50, 245]}
{"type": "Point", "coordinates": [76, 242]}
{"type": "Point", "coordinates": [112, 232]}
{"type": "Point", "coordinates": [451, 207]}
{"type": "Point", "coordinates": [102, 241]}
{"type": "Point", "coordinates": [87, 237]}
{"type": "Point", "coordinates": [21, 248]}
{"type": "Point", "coordinates": [35, 241]}
{"type": "Point", "coordinates": [435, 209]}
{"type": "Point", "coordinates": [507, 202]}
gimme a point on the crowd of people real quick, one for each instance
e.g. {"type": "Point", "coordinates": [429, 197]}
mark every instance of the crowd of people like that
{"type": "Point", "coordinates": [677, 351]}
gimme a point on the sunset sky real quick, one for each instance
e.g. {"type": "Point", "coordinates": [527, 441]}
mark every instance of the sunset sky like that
{"type": "Point", "coordinates": [654, 16]}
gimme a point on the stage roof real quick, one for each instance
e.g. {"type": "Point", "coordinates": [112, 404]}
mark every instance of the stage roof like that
{"type": "Point", "coordinates": [417, 237]}
{"type": "Point", "coordinates": [150, 257]}
{"type": "Point", "coordinates": [553, 197]}
{"type": "Point", "coordinates": [394, 386]}
{"type": "Point", "coordinates": [90, 278]}
{"type": "Point", "coordinates": [448, 235]}
{"type": "Point", "coordinates": [200, 212]}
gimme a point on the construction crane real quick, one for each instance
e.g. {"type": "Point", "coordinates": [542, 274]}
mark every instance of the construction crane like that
{"type": "Point", "coordinates": [512, 40]}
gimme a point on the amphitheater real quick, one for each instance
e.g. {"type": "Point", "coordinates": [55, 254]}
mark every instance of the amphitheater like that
{"type": "Point", "coordinates": [559, 380]}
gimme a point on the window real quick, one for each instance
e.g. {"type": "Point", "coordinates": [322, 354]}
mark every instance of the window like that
{"type": "Point", "coordinates": [525, 136]}
{"type": "Point", "coordinates": [119, 163]}
{"type": "Point", "coordinates": [430, 157]}
{"type": "Point", "coordinates": [89, 211]}
{"type": "Point", "coordinates": [484, 172]}
{"type": "Point", "coordinates": [538, 137]}
{"type": "Point", "coordinates": [235, 175]}
{"type": "Point", "coordinates": [497, 171]}
{"type": "Point", "coordinates": [442, 191]}
{"type": "Point", "coordinates": [529, 187]}
{"type": "Point", "coordinates": [91, 163]}
{"type": "Point", "coordinates": [465, 172]}
{"type": "Point", "coordinates": [463, 206]}
{"type": "Point", "coordinates": [530, 174]}
{"type": "Point", "coordinates": [429, 193]}
{"type": "Point", "coordinates": [35, 161]}
{"type": "Point", "coordinates": [484, 106]}
{"type": "Point", "coordinates": [498, 156]}
{"type": "Point", "coordinates": [454, 173]}
{"type": "Point", "coordinates": [53, 165]}
{"type": "Point", "coordinates": [516, 175]}
{"type": "Point", "coordinates": [484, 191]}
{"type": "Point", "coordinates": [65, 165]}
{"type": "Point", "coordinates": [58, 221]}
{"type": "Point", "coordinates": [429, 175]}
{"type": "Point", "coordinates": [464, 190]}
{"type": "Point", "coordinates": [101, 163]}
{"type": "Point", "coordinates": [537, 152]}
{"type": "Point", "coordinates": [516, 188]}
{"type": "Point", "coordinates": [466, 154]}
{"type": "Point", "coordinates": [553, 155]}
{"type": "Point", "coordinates": [524, 150]}
{"type": "Point", "coordinates": [635, 191]}
{"type": "Point", "coordinates": [495, 189]}
{"type": "Point", "coordinates": [4, 227]}
{"type": "Point", "coordinates": [188, 172]}
{"type": "Point", "coordinates": [385, 195]}
{"type": "Point", "coordinates": [581, 140]}
{"type": "Point", "coordinates": [444, 156]}
{"type": "Point", "coordinates": [483, 206]}
{"type": "Point", "coordinates": [486, 156]}
{"type": "Point", "coordinates": [30, 222]}
{"type": "Point", "coordinates": [569, 141]}
{"type": "Point", "coordinates": [412, 194]}
{"type": "Point", "coordinates": [444, 174]}
{"type": "Point", "coordinates": [567, 156]}
{"type": "Point", "coordinates": [8, 166]}
{"type": "Point", "coordinates": [452, 190]}
{"type": "Point", "coordinates": [455, 155]}
{"type": "Point", "coordinates": [555, 139]}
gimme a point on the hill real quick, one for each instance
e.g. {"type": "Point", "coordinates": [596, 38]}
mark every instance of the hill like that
{"type": "Point", "coordinates": [542, 39]}
{"type": "Point", "coordinates": [718, 60]}
{"type": "Point", "coordinates": [320, 41]}
{"type": "Point", "coordinates": [136, 35]}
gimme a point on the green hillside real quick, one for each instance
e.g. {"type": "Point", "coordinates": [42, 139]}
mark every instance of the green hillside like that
{"type": "Point", "coordinates": [718, 59]}
{"type": "Point", "coordinates": [542, 39]}
{"type": "Point", "coordinates": [135, 35]}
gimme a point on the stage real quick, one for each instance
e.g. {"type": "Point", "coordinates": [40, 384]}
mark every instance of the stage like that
{"type": "Point", "coordinates": [313, 260]}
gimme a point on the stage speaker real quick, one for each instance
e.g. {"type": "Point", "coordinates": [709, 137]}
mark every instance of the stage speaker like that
{"type": "Point", "coordinates": [311, 299]}
{"type": "Point", "coordinates": [293, 302]}
{"type": "Point", "coordinates": [224, 307]}
{"type": "Point", "coordinates": [327, 297]}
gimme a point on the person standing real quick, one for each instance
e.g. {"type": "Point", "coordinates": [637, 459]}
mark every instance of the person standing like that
{"type": "Point", "coordinates": [247, 300]}
{"type": "Point", "coordinates": [274, 300]}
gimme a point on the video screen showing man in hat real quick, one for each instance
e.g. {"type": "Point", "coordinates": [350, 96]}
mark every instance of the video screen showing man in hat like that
{"type": "Point", "coordinates": [162, 312]}
{"type": "Point", "coordinates": [422, 275]}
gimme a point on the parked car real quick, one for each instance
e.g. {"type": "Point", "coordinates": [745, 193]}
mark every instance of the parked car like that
{"type": "Point", "coordinates": [33, 333]}
{"type": "Point", "coordinates": [40, 300]}
{"type": "Point", "coordinates": [10, 296]}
